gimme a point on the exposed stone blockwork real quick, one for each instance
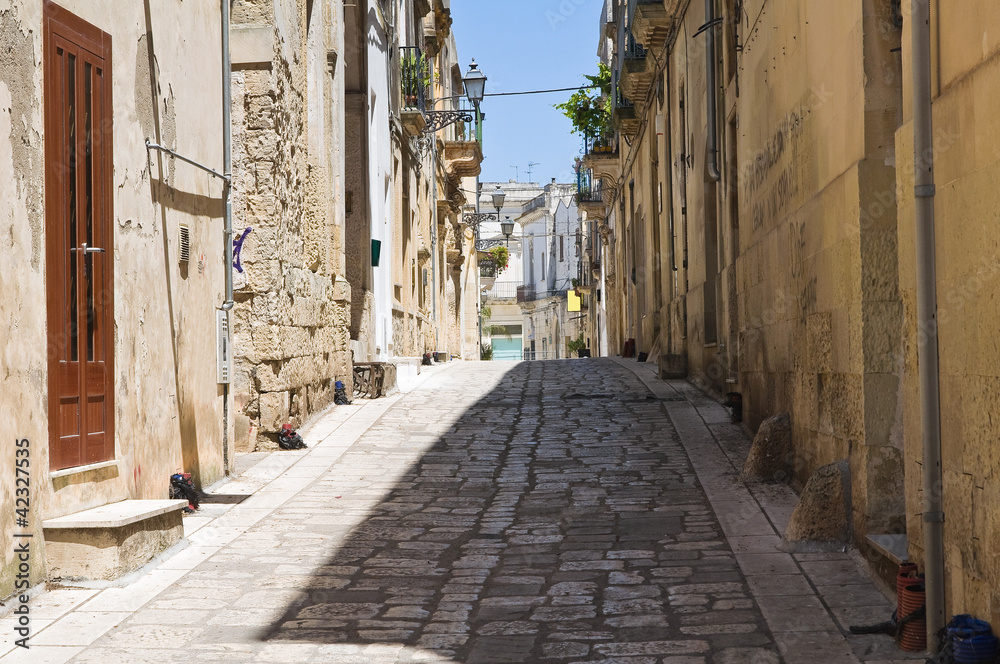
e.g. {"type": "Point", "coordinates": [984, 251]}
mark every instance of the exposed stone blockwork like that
{"type": "Point", "coordinates": [292, 315]}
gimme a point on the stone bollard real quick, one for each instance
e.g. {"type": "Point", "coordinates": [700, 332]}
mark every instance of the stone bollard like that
{"type": "Point", "coordinates": [770, 457]}
{"type": "Point", "coordinates": [823, 512]}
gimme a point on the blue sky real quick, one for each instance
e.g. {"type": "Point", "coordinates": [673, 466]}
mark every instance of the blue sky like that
{"type": "Point", "coordinates": [528, 45]}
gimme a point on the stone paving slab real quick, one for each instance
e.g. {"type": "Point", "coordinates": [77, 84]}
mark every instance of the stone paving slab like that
{"type": "Point", "coordinates": [565, 511]}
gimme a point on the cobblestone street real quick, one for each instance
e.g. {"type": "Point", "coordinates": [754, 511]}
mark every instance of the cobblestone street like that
{"type": "Point", "coordinates": [560, 512]}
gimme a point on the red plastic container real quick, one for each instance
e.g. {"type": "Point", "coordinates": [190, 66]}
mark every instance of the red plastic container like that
{"type": "Point", "coordinates": [905, 576]}
{"type": "Point", "coordinates": [913, 636]}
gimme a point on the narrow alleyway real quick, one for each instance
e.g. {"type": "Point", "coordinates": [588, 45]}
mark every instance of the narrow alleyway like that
{"type": "Point", "coordinates": [561, 512]}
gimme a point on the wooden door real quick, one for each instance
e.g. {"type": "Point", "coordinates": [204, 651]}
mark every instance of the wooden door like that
{"type": "Point", "coordinates": [79, 235]}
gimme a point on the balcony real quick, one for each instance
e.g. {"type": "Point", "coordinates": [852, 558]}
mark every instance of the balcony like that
{"type": "Point", "coordinates": [590, 193]}
{"type": "Point", "coordinates": [637, 70]}
{"type": "Point", "coordinates": [531, 294]}
{"type": "Point", "coordinates": [504, 290]}
{"type": "Point", "coordinates": [414, 81]}
{"type": "Point", "coordinates": [601, 154]}
{"type": "Point", "coordinates": [624, 115]}
{"type": "Point", "coordinates": [487, 273]}
{"type": "Point", "coordinates": [653, 22]}
{"type": "Point", "coordinates": [463, 159]}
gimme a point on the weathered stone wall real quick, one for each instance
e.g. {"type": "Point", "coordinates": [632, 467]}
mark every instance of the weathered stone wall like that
{"type": "Point", "coordinates": [292, 318]}
{"type": "Point", "coordinates": [817, 278]}
{"type": "Point", "coordinates": [967, 168]}
{"type": "Point", "coordinates": [785, 286]}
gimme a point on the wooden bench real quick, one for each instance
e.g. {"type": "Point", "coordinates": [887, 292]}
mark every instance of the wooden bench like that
{"type": "Point", "coordinates": [109, 541]}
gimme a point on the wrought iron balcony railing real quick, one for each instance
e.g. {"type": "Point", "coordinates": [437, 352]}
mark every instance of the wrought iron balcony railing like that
{"type": "Point", "coordinates": [487, 268]}
{"type": "Point", "coordinates": [604, 142]}
{"type": "Point", "coordinates": [633, 49]}
{"type": "Point", "coordinates": [588, 187]}
{"type": "Point", "coordinates": [504, 290]}
{"type": "Point", "coordinates": [530, 293]}
{"type": "Point", "coordinates": [414, 77]}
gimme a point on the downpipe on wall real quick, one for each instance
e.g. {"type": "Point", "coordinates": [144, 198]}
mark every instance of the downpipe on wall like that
{"type": "Point", "coordinates": [927, 328]}
{"type": "Point", "coordinates": [227, 234]}
{"type": "Point", "coordinates": [712, 143]}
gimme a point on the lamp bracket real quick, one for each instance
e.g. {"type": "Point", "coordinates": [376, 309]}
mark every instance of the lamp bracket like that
{"type": "Point", "coordinates": [484, 245]}
{"type": "Point", "coordinates": [476, 218]}
{"type": "Point", "coordinates": [438, 120]}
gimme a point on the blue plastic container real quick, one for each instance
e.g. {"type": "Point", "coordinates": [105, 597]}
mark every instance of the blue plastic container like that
{"type": "Point", "coordinates": [972, 640]}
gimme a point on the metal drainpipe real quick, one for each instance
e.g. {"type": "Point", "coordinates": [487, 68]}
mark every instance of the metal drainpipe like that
{"type": "Point", "coordinates": [930, 398]}
{"type": "Point", "coordinates": [227, 167]}
{"type": "Point", "coordinates": [434, 224]}
{"type": "Point", "coordinates": [712, 147]}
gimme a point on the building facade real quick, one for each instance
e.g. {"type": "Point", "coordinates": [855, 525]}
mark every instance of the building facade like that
{"type": "Point", "coordinates": [110, 351]}
{"type": "Point", "coordinates": [180, 295]}
{"type": "Point", "coordinates": [357, 252]}
{"type": "Point", "coordinates": [751, 225]}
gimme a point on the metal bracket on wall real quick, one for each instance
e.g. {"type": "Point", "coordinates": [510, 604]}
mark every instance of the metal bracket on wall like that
{"type": "Point", "coordinates": [483, 245]}
{"type": "Point", "coordinates": [476, 218]}
{"type": "Point", "coordinates": [438, 120]}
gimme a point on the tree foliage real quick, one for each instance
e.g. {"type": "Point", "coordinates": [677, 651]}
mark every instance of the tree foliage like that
{"type": "Point", "coordinates": [589, 109]}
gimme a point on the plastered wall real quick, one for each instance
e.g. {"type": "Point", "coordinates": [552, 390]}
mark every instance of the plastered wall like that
{"type": "Point", "coordinates": [168, 410]}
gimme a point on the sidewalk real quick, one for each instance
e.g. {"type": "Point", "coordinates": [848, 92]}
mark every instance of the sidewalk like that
{"type": "Point", "coordinates": [67, 618]}
{"type": "Point", "coordinates": [808, 599]}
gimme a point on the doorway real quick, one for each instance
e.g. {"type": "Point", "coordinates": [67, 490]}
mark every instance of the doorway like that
{"type": "Point", "coordinates": [79, 236]}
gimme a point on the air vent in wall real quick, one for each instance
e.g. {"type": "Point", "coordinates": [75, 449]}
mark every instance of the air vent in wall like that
{"type": "Point", "coordinates": [185, 244]}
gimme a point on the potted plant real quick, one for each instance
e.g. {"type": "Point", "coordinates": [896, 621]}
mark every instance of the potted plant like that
{"type": "Point", "coordinates": [500, 257]}
{"type": "Point", "coordinates": [416, 74]}
{"type": "Point", "coordinates": [576, 345]}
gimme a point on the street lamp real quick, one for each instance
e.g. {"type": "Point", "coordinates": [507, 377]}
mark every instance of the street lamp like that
{"type": "Point", "coordinates": [507, 227]}
{"type": "Point", "coordinates": [498, 196]}
{"type": "Point", "coordinates": [475, 83]}
{"type": "Point", "coordinates": [475, 90]}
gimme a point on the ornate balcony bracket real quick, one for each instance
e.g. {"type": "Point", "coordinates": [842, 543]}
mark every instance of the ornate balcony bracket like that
{"type": "Point", "coordinates": [438, 120]}
{"type": "Point", "coordinates": [485, 245]}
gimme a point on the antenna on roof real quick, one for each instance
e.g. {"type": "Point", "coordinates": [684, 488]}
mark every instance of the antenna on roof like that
{"type": "Point", "coordinates": [530, 165]}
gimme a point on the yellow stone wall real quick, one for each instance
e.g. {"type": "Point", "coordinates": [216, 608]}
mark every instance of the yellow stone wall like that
{"type": "Point", "coordinates": [786, 284]}
{"type": "Point", "coordinates": [965, 87]}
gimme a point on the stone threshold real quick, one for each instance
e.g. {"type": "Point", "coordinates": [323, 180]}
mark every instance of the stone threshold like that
{"type": "Point", "coordinates": [115, 515]}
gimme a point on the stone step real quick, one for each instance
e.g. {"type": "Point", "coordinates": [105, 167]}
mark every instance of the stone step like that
{"type": "Point", "coordinates": [106, 542]}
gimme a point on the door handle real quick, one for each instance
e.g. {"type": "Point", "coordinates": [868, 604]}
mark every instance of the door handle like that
{"type": "Point", "coordinates": [92, 250]}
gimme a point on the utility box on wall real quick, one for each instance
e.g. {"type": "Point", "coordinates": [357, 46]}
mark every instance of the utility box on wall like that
{"type": "Point", "coordinates": [224, 355]}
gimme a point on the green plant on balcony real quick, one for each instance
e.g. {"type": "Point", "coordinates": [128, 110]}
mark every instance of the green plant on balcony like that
{"type": "Point", "coordinates": [590, 109]}
{"type": "Point", "coordinates": [500, 257]}
{"type": "Point", "coordinates": [416, 72]}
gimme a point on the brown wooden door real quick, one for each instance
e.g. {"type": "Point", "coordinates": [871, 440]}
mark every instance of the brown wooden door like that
{"type": "Point", "coordinates": [79, 235]}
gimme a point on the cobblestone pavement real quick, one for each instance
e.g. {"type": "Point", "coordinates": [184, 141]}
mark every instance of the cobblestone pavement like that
{"type": "Point", "coordinates": [562, 511]}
